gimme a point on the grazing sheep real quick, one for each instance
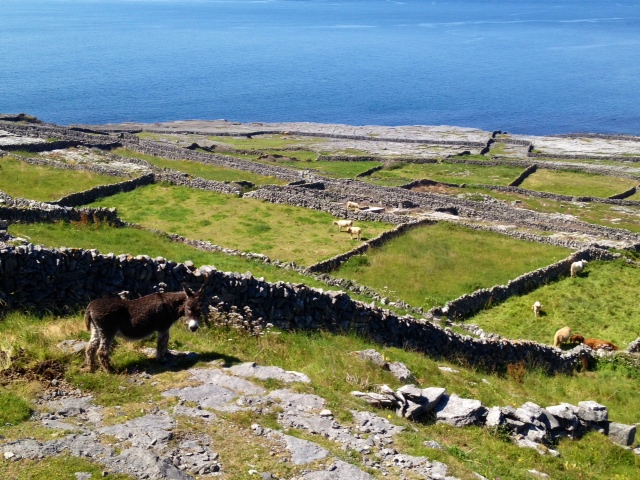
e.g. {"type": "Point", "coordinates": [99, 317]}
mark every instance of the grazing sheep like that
{"type": "Point", "coordinates": [594, 343]}
{"type": "Point", "coordinates": [356, 232]}
{"type": "Point", "coordinates": [537, 308]}
{"type": "Point", "coordinates": [343, 224]}
{"type": "Point", "coordinates": [561, 336]}
{"type": "Point", "coordinates": [576, 267]}
{"type": "Point", "coordinates": [353, 205]}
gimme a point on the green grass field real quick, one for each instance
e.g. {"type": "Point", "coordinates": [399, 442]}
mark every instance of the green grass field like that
{"type": "Point", "coordinates": [431, 265]}
{"type": "Point", "coordinates": [279, 231]}
{"type": "Point", "coordinates": [334, 373]}
{"type": "Point", "coordinates": [402, 173]}
{"type": "Point", "coordinates": [332, 169]}
{"type": "Point", "coordinates": [601, 303]}
{"type": "Point", "coordinates": [202, 170]}
{"type": "Point", "coordinates": [45, 184]}
{"type": "Point", "coordinates": [576, 183]}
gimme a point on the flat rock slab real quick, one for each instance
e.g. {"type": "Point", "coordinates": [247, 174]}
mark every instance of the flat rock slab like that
{"type": "Point", "coordinates": [460, 412]}
{"type": "Point", "coordinates": [301, 401]}
{"type": "Point", "coordinates": [215, 376]}
{"type": "Point", "coordinates": [338, 471]}
{"type": "Point", "coordinates": [251, 369]}
{"type": "Point", "coordinates": [143, 463]}
{"type": "Point", "coordinates": [145, 431]}
{"type": "Point", "coordinates": [303, 451]}
{"type": "Point", "coordinates": [206, 396]}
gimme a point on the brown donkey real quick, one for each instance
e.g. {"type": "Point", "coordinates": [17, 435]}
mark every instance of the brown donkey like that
{"type": "Point", "coordinates": [107, 318]}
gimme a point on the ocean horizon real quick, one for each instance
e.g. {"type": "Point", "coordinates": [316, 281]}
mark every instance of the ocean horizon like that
{"type": "Point", "coordinates": [533, 67]}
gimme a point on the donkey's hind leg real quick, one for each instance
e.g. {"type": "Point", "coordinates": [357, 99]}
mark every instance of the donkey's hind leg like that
{"type": "Point", "coordinates": [91, 349]}
{"type": "Point", "coordinates": [162, 348]}
{"type": "Point", "coordinates": [103, 352]}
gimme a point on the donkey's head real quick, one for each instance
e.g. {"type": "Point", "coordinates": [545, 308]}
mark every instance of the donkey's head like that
{"type": "Point", "coordinates": [193, 307]}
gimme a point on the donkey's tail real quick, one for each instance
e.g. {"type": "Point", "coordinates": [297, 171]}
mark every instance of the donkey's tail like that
{"type": "Point", "coordinates": [87, 319]}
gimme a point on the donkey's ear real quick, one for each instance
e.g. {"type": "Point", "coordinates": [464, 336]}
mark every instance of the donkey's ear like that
{"type": "Point", "coordinates": [187, 290]}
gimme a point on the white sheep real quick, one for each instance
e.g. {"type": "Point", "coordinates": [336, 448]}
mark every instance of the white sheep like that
{"type": "Point", "coordinates": [537, 308]}
{"type": "Point", "coordinates": [343, 224]}
{"type": "Point", "coordinates": [353, 205]}
{"type": "Point", "coordinates": [563, 335]}
{"type": "Point", "coordinates": [356, 232]}
{"type": "Point", "coordinates": [576, 267]}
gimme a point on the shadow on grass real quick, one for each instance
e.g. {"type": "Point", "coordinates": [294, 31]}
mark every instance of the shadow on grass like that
{"type": "Point", "coordinates": [175, 362]}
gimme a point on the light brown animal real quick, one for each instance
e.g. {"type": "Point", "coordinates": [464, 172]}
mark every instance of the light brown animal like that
{"type": "Point", "coordinates": [343, 224]}
{"type": "Point", "coordinates": [356, 232]}
{"type": "Point", "coordinates": [577, 267]}
{"type": "Point", "coordinates": [353, 205]}
{"type": "Point", "coordinates": [595, 343]}
{"type": "Point", "coordinates": [561, 336]}
{"type": "Point", "coordinates": [537, 308]}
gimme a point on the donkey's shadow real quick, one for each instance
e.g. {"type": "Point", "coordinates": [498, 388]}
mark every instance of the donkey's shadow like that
{"type": "Point", "coordinates": [175, 362]}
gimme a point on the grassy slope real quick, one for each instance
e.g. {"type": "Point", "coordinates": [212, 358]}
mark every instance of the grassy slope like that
{"type": "Point", "coordinates": [434, 264]}
{"type": "Point", "coordinates": [22, 180]}
{"type": "Point", "coordinates": [334, 373]}
{"type": "Point", "coordinates": [279, 231]}
{"type": "Point", "coordinates": [576, 183]}
{"type": "Point", "coordinates": [601, 303]}
{"type": "Point", "coordinates": [446, 172]}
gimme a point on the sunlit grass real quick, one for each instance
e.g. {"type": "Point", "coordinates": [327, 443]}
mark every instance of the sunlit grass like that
{"type": "Point", "coordinates": [279, 231]}
{"type": "Point", "coordinates": [334, 372]}
{"type": "Point", "coordinates": [141, 242]}
{"type": "Point", "coordinates": [21, 180]}
{"type": "Point", "coordinates": [402, 173]}
{"type": "Point", "coordinates": [600, 303]}
{"type": "Point", "coordinates": [576, 183]}
{"type": "Point", "coordinates": [431, 265]}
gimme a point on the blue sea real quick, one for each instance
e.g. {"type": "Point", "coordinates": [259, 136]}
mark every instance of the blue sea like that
{"type": "Point", "coordinates": [531, 67]}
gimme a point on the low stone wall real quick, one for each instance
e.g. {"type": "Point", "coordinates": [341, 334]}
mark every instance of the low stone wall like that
{"type": "Point", "coordinates": [57, 145]}
{"type": "Point", "coordinates": [561, 198]}
{"type": "Point", "coordinates": [35, 277]}
{"type": "Point", "coordinates": [522, 177]}
{"type": "Point", "coordinates": [322, 200]}
{"type": "Point", "coordinates": [468, 305]}
{"type": "Point", "coordinates": [584, 157]}
{"type": "Point", "coordinates": [96, 168]}
{"type": "Point", "coordinates": [369, 172]}
{"type": "Point", "coordinates": [623, 195]}
{"type": "Point", "coordinates": [101, 191]}
{"type": "Point", "coordinates": [28, 211]}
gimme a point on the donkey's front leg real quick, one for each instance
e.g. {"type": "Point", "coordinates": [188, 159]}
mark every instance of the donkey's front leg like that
{"type": "Point", "coordinates": [163, 345]}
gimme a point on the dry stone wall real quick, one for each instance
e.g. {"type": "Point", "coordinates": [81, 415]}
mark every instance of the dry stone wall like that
{"type": "Point", "coordinates": [468, 305]}
{"type": "Point", "coordinates": [36, 277]}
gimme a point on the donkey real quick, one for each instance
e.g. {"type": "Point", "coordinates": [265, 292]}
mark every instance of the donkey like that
{"type": "Point", "coordinates": [137, 319]}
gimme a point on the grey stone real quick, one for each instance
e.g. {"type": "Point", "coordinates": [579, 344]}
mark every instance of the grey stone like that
{"type": "Point", "coordinates": [591, 411]}
{"type": "Point", "coordinates": [400, 371]}
{"type": "Point", "coordinates": [142, 463]}
{"type": "Point", "coordinates": [215, 376]}
{"type": "Point", "coordinates": [302, 401]}
{"type": "Point", "coordinates": [495, 417]}
{"type": "Point", "coordinates": [205, 415]}
{"type": "Point", "coordinates": [338, 471]}
{"type": "Point", "coordinates": [460, 412]}
{"type": "Point", "coordinates": [207, 396]}
{"type": "Point", "coordinates": [82, 475]}
{"type": "Point", "coordinates": [622, 434]}
{"type": "Point", "coordinates": [72, 346]}
{"type": "Point", "coordinates": [303, 451]}
{"type": "Point", "coordinates": [251, 369]}
{"type": "Point", "coordinates": [144, 431]}
{"type": "Point", "coordinates": [372, 356]}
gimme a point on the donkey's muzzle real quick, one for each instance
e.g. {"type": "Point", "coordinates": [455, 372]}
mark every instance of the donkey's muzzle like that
{"type": "Point", "coordinates": [193, 325]}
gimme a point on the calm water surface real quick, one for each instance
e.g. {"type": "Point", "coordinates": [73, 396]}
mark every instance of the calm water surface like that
{"type": "Point", "coordinates": [537, 67]}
